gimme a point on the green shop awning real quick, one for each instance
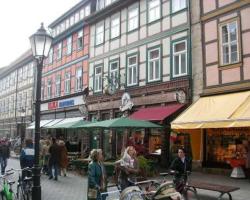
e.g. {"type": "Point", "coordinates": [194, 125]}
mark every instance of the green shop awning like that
{"type": "Point", "coordinates": [122, 123]}
{"type": "Point", "coordinates": [52, 123]}
{"type": "Point", "coordinates": [71, 125]}
{"type": "Point", "coordinates": [42, 123]}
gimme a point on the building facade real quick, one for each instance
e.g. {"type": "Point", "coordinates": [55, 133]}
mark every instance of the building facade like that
{"type": "Point", "coordinates": [65, 73]}
{"type": "Point", "coordinates": [16, 96]}
{"type": "Point", "coordinates": [220, 133]}
{"type": "Point", "coordinates": [226, 65]}
{"type": "Point", "coordinates": [139, 53]}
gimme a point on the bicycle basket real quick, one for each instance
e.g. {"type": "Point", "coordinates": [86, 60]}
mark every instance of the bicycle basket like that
{"type": "Point", "coordinates": [131, 193]}
{"type": "Point", "coordinates": [167, 191]}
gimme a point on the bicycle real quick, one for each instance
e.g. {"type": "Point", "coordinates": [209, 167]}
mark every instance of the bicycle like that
{"type": "Point", "coordinates": [24, 186]}
{"type": "Point", "coordinates": [7, 191]}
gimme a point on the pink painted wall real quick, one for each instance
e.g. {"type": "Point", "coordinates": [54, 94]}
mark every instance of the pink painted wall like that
{"type": "Point", "coordinates": [246, 43]}
{"type": "Point", "coordinates": [212, 75]}
{"type": "Point", "coordinates": [211, 30]}
{"type": "Point", "coordinates": [231, 75]}
{"type": "Point", "coordinates": [211, 53]}
{"type": "Point", "coordinates": [245, 14]}
{"type": "Point", "coordinates": [246, 68]}
{"type": "Point", "coordinates": [209, 5]}
{"type": "Point", "coordinates": [225, 2]}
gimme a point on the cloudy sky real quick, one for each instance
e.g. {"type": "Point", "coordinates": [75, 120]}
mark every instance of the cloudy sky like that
{"type": "Point", "coordinates": [20, 19]}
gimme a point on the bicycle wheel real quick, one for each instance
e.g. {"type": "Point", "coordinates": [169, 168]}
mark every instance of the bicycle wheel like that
{"type": "Point", "coordinates": [20, 193]}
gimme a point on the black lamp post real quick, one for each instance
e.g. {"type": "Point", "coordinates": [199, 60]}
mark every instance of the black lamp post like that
{"type": "Point", "coordinates": [22, 128]}
{"type": "Point", "coordinates": [40, 45]}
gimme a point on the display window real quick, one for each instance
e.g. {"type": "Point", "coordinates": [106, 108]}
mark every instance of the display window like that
{"type": "Point", "coordinates": [223, 145]}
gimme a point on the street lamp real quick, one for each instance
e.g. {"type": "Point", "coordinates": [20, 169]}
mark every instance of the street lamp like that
{"type": "Point", "coordinates": [22, 129]}
{"type": "Point", "coordinates": [40, 45]}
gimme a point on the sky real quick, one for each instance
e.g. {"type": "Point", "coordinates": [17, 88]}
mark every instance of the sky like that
{"type": "Point", "coordinates": [20, 19]}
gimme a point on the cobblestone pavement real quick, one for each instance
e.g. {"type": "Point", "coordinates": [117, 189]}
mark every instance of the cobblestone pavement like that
{"type": "Point", "coordinates": [74, 187]}
{"type": "Point", "coordinates": [71, 187]}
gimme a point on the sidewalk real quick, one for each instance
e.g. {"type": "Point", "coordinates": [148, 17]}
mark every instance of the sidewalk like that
{"type": "Point", "coordinates": [74, 187]}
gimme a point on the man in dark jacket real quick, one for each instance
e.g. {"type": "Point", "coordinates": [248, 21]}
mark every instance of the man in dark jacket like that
{"type": "Point", "coordinates": [181, 165]}
{"type": "Point", "coordinates": [4, 154]}
{"type": "Point", "coordinates": [54, 159]}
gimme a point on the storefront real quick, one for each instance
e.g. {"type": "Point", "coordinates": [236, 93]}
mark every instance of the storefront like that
{"type": "Point", "coordinates": [219, 128]}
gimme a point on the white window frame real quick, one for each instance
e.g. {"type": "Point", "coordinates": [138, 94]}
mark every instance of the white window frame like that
{"type": "Point", "coordinates": [58, 85]}
{"type": "Point", "coordinates": [67, 82]}
{"type": "Point", "coordinates": [154, 9]}
{"type": "Point", "coordinates": [72, 20]}
{"type": "Point", "coordinates": [51, 55]}
{"type": "Point", "coordinates": [135, 65]}
{"type": "Point", "coordinates": [69, 45]}
{"type": "Point", "coordinates": [59, 51]}
{"type": "Point", "coordinates": [81, 13]}
{"type": "Point", "coordinates": [114, 73]}
{"type": "Point", "coordinates": [100, 4]}
{"type": "Point", "coordinates": [79, 75]}
{"type": "Point", "coordinates": [87, 10]}
{"type": "Point", "coordinates": [229, 43]}
{"type": "Point", "coordinates": [25, 72]}
{"type": "Point", "coordinates": [179, 54]}
{"type": "Point", "coordinates": [154, 60]}
{"type": "Point", "coordinates": [80, 40]}
{"type": "Point", "coordinates": [133, 20]}
{"type": "Point", "coordinates": [20, 75]}
{"type": "Point", "coordinates": [31, 70]}
{"type": "Point", "coordinates": [99, 34]}
{"type": "Point", "coordinates": [115, 27]}
{"type": "Point", "coordinates": [98, 79]}
{"type": "Point", "coordinates": [49, 89]}
{"type": "Point", "coordinates": [178, 5]}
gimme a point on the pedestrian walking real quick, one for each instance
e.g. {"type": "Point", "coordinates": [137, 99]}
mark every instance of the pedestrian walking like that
{"type": "Point", "coordinates": [128, 166]}
{"type": "Point", "coordinates": [181, 165]}
{"type": "Point", "coordinates": [4, 154]}
{"type": "Point", "coordinates": [27, 157]}
{"type": "Point", "coordinates": [96, 175]}
{"type": "Point", "coordinates": [54, 159]}
{"type": "Point", "coordinates": [63, 157]}
{"type": "Point", "coordinates": [45, 156]}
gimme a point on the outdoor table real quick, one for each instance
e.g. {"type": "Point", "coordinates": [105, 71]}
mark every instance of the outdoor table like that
{"type": "Point", "coordinates": [237, 171]}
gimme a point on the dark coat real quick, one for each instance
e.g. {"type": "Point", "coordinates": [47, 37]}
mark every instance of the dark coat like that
{"type": "Point", "coordinates": [181, 167]}
{"type": "Point", "coordinates": [54, 151]}
{"type": "Point", "coordinates": [4, 151]}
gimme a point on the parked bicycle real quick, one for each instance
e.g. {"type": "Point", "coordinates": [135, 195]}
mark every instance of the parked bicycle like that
{"type": "Point", "coordinates": [7, 192]}
{"type": "Point", "coordinates": [24, 184]}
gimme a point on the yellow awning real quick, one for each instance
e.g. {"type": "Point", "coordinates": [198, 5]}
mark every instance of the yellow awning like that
{"type": "Point", "coordinates": [220, 111]}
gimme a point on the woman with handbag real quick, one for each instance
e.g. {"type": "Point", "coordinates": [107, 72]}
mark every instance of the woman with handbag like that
{"type": "Point", "coordinates": [96, 175]}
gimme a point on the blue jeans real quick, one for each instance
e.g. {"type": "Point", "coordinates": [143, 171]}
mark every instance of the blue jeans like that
{"type": "Point", "coordinates": [55, 166]}
{"type": "Point", "coordinates": [3, 164]}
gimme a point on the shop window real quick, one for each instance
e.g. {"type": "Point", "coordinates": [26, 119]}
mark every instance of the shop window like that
{"type": "Point", "coordinates": [223, 145]}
